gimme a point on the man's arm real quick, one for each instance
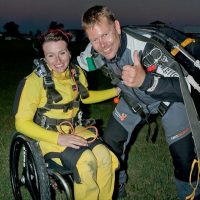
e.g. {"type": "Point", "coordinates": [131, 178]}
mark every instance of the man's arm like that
{"type": "Point", "coordinates": [158, 87]}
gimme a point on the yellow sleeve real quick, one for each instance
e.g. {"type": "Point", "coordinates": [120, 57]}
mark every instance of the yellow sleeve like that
{"type": "Point", "coordinates": [96, 96]}
{"type": "Point", "coordinates": [101, 95]}
{"type": "Point", "coordinates": [28, 104]}
{"type": "Point", "coordinates": [35, 131]}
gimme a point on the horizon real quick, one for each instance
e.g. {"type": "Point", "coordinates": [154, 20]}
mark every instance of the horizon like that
{"type": "Point", "coordinates": [25, 29]}
{"type": "Point", "coordinates": [32, 15]}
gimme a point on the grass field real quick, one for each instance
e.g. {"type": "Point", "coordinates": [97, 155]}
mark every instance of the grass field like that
{"type": "Point", "coordinates": [149, 164]}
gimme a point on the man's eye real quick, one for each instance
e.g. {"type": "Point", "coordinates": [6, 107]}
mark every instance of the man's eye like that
{"type": "Point", "coordinates": [63, 52]}
{"type": "Point", "coordinates": [95, 40]}
{"type": "Point", "coordinates": [105, 35]}
{"type": "Point", "coordinates": [50, 56]}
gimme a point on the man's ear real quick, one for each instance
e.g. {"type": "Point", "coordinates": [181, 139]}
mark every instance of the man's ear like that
{"type": "Point", "coordinates": [117, 26]}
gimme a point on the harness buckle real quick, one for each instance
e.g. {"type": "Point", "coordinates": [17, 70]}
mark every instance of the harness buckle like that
{"type": "Point", "coordinates": [163, 108]}
{"type": "Point", "coordinates": [43, 121]}
{"type": "Point", "coordinates": [136, 108]}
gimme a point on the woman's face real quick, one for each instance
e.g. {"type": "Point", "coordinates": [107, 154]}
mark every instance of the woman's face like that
{"type": "Point", "coordinates": [56, 55]}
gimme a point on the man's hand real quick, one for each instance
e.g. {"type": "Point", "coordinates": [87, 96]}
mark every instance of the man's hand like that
{"type": "Point", "coordinates": [133, 76]}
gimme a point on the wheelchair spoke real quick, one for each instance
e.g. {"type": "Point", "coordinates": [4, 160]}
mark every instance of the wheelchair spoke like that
{"type": "Point", "coordinates": [61, 187]}
{"type": "Point", "coordinates": [31, 176]}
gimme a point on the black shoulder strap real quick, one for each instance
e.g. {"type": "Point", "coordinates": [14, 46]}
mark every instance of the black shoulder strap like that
{"type": "Point", "coordinates": [42, 70]}
{"type": "Point", "coordinates": [83, 91]}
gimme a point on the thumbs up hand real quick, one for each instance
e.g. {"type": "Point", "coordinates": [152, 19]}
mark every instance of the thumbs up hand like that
{"type": "Point", "coordinates": [133, 76]}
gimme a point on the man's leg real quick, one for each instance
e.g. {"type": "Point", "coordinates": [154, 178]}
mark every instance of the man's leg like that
{"type": "Point", "coordinates": [115, 136]}
{"type": "Point", "coordinates": [181, 146]}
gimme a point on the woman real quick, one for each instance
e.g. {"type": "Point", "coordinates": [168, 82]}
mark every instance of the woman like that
{"type": "Point", "coordinates": [47, 112]}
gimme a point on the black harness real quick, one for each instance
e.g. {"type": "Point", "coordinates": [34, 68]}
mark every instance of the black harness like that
{"type": "Point", "coordinates": [135, 106]}
{"type": "Point", "coordinates": [53, 96]}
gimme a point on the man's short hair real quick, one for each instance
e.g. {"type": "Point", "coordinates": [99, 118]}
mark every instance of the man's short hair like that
{"type": "Point", "coordinates": [94, 15]}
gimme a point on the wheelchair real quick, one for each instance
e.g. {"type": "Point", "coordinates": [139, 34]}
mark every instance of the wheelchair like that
{"type": "Point", "coordinates": [33, 177]}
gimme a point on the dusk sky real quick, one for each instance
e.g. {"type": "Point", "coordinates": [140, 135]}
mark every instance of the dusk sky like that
{"type": "Point", "coordinates": [31, 15]}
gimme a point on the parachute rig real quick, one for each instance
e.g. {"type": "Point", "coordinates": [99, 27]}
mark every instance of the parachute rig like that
{"type": "Point", "coordinates": [168, 40]}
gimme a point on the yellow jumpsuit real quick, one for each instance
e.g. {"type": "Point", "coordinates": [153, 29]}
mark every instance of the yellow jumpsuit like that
{"type": "Point", "coordinates": [96, 167]}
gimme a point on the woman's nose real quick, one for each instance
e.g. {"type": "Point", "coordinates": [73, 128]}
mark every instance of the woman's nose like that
{"type": "Point", "coordinates": [58, 59]}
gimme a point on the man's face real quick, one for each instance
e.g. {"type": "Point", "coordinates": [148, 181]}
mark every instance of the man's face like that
{"type": "Point", "coordinates": [105, 37]}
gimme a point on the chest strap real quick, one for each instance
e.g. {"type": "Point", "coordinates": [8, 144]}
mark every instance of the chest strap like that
{"type": "Point", "coordinates": [134, 105]}
{"type": "Point", "coordinates": [50, 123]}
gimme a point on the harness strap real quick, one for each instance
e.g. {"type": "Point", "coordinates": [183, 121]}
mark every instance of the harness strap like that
{"type": "Point", "coordinates": [186, 42]}
{"type": "Point", "coordinates": [42, 70]}
{"type": "Point", "coordinates": [193, 119]}
{"type": "Point", "coordinates": [64, 107]}
{"type": "Point", "coordinates": [83, 91]}
{"type": "Point", "coordinates": [49, 123]}
{"type": "Point", "coordinates": [194, 187]}
{"type": "Point", "coordinates": [163, 108]}
{"type": "Point", "coordinates": [135, 106]}
{"type": "Point", "coordinates": [69, 158]}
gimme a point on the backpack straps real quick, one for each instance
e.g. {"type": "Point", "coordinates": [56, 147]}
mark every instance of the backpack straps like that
{"type": "Point", "coordinates": [42, 70]}
{"type": "Point", "coordinates": [188, 101]}
{"type": "Point", "coordinates": [83, 91]}
{"type": "Point", "coordinates": [53, 96]}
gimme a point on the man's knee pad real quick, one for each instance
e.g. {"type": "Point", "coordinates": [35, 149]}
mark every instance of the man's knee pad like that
{"type": "Point", "coordinates": [183, 154]}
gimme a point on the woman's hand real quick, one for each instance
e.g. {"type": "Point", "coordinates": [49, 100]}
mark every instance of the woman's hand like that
{"type": "Point", "coordinates": [71, 140]}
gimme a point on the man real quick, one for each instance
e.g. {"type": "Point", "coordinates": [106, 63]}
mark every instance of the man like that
{"type": "Point", "coordinates": [148, 86]}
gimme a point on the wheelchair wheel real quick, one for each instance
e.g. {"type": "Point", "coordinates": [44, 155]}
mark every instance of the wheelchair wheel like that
{"type": "Point", "coordinates": [61, 186]}
{"type": "Point", "coordinates": [28, 173]}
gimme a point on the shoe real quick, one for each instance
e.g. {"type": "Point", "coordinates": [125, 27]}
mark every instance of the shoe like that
{"type": "Point", "coordinates": [120, 192]}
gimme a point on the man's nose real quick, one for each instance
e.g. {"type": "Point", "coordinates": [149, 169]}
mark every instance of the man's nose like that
{"type": "Point", "coordinates": [101, 42]}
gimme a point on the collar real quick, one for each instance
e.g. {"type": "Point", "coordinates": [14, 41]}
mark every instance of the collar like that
{"type": "Point", "coordinates": [122, 47]}
{"type": "Point", "coordinates": [61, 76]}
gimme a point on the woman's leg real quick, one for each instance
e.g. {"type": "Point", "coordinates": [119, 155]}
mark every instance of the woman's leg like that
{"type": "Point", "coordinates": [88, 188]}
{"type": "Point", "coordinates": [107, 164]}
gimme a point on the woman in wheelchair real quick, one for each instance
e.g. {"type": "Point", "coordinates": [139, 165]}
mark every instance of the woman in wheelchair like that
{"type": "Point", "coordinates": [47, 110]}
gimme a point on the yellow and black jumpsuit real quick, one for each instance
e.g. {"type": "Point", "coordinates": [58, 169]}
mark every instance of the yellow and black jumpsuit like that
{"type": "Point", "coordinates": [96, 166]}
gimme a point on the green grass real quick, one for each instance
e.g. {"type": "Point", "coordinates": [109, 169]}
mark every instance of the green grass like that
{"type": "Point", "coordinates": [149, 164]}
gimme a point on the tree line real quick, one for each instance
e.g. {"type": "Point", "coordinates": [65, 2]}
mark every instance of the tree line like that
{"type": "Point", "coordinates": [12, 29]}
